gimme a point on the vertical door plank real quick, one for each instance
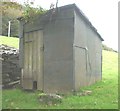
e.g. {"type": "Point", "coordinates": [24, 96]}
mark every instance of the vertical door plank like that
{"type": "Point", "coordinates": [30, 79]}
{"type": "Point", "coordinates": [25, 69]}
{"type": "Point", "coordinates": [40, 59]}
{"type": "Point", "coordinates": [34, 57]}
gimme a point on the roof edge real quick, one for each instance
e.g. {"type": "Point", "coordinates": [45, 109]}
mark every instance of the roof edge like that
{"type": "Point", "coordinates": [77, 9]}
{"type": "Point", "coordinates": [87, 21]}
{"type": "Point", "coordinates": [74, 6]}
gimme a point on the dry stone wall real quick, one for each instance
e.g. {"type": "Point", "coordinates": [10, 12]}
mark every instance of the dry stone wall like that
{"type": "Point", "coordinates": [10, 64]}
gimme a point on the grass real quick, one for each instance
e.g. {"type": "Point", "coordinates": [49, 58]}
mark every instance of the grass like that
{"type": "Point", "coordinates": [0, 100]}
{"type": "Point", "coordinates": [104, 93]}
{"type": "Point", "coordinates": [10, 41]}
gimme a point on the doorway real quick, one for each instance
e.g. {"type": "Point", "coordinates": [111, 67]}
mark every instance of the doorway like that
{"type": "Point", "coordinates": [33, 60]}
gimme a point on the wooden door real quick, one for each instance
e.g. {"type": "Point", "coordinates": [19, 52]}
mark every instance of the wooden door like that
{"type": "Point", "coordinates": [33, 60]}
{"type": "Point", "coordinates": [27, 69]}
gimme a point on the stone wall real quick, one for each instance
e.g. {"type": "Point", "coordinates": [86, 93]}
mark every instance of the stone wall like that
{"type": "Point", "coordinates": [10, 64]}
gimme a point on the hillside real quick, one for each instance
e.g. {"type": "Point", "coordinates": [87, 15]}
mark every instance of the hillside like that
{"type": "Point", "coordinates": [104, 93]}
{"type": "Point", "coordinates": [104, 47]}
{"type": "Point", "coordinates": [10, 41]}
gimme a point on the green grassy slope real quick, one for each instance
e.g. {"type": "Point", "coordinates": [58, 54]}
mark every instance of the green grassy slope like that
{"type": "Point", "coordinates": [10, 41]}
{"type": "Point", "coordinates": [104, 93]}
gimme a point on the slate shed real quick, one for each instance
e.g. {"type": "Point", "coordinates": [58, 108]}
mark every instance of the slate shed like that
{"type": "Point", "coordinates": [60, 51]}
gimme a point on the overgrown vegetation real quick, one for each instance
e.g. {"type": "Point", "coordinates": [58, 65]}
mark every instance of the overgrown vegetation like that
{"type": "Point", "coordinates": [104, 93]}
{"type": "Point", "coordinates": [29, 12]}
{"type": "Point", "coordinates": [12, 10]}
